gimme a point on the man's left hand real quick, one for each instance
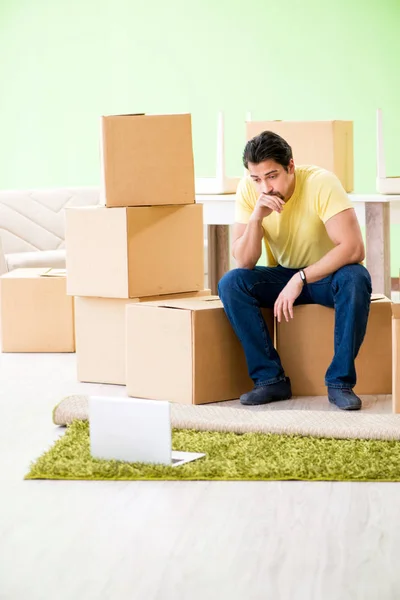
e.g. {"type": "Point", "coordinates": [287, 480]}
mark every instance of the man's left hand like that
{"type": "Point", "coordinates": [287, 297]}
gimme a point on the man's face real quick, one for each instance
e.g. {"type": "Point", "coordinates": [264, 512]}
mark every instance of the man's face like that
{"type": "Point", "coordinates": [273, 179]}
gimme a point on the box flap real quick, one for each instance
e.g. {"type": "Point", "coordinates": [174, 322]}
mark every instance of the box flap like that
{"type": "Point", "coordinates": [124, 115]}
{"type": "Point", "coordinates": [305, 122]}
{"type": "Point", "coordinates": [143, 115]}
{"type": "Point", "coordinates": [54, 273]}
{"type": "Point", "coordinates": [195, 303]}
{"type": "Point", "coordinates": [92, 208]}
{"type": "Point", "coordinates": [379, 298]}
{"type": "Point", "coordinates": [25, 273]}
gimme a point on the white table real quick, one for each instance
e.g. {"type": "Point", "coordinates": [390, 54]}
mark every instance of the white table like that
{"type": "Point", "coordinates": [375, 211]}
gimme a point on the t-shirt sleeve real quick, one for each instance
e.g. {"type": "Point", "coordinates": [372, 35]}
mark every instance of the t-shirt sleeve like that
{"type": "Point", "coordinates": [244, 202]}
{"type": "Point", "coordinates": [331, 197]}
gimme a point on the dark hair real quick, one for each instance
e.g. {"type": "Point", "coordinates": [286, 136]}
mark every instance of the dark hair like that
{"type": "Point", "coordinates": [267, 146]}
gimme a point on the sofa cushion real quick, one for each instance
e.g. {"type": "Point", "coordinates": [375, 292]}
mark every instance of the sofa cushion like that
{"type": "Point", "coordinates": [44, 258]}
{"type": "Point", "coordinates": [33, 220]}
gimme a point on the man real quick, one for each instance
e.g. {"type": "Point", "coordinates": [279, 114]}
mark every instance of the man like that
{"type": "Point", "coordinates": [313, 239]}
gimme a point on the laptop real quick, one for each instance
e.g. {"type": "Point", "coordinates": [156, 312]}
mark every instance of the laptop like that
{"type": "Point", "coordinates": [133, 430]}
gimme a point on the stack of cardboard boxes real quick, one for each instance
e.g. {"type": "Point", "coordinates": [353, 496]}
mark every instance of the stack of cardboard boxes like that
{"type": "Point", "coordinates": [145, 241]}
{"type": "Point", "coordinates": [145, 247]}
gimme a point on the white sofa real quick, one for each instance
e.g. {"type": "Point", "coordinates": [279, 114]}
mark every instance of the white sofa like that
{"type": "Point", "coordinates": [32, 230]}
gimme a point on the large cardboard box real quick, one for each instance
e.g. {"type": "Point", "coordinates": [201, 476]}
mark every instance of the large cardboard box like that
{"type": "Point", "coordinates": [396, 357]}
{"type": "Point", "coordinates": [147, 160]}
{"type": "Point", "coordinates": [185, 351]}
{"type": "Point", "coordinates": [306, 346]}
{"type": "Point", "coordinates": [36, 313]}
{"type": "Point", "coordinates": [100, 336]}
{"type": "Point", "coordinates": [327, 144]}
{"type": "Point", "coordinates": [134, 252]}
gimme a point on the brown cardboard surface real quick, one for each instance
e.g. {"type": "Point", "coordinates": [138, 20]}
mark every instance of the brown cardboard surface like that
{"type": "Point", "coordinates": [185, 351]}
{"type": "Point", "coordinates": [36, 313]}
{"type": "Point", "coordinates": [327, 144]}
{"type": "Point", "coordinates": [147, 160]}
{"type": "Point", "coordinates": [134, 252]}
{"type": "Point", "coordinates": [188, 303]}
{"type": "Point", "coordinates": [100, 337]}
{"type": "Point", "coordinates": [96, 252]}
{"type": "Point", "coordinates": [396, 357]}
{"type": "Point", "coordinates": [165, 249]}
{"type": "Point", "coordinates": [305, 346]}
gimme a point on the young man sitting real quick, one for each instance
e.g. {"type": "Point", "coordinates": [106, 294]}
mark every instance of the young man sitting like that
{"type": "Point", "coordinates": [314, 250]}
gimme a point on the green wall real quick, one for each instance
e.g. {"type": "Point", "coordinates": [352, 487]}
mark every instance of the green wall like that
{"type": "Point", "coordinates": [64, 63]}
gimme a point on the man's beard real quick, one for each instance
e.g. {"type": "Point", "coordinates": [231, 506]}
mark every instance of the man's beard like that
{"type": "Point", "coordinates": [278, 195]}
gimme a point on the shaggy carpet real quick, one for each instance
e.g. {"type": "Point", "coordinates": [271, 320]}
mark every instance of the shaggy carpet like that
{"type": "Point", "coordinates": [230, 456]}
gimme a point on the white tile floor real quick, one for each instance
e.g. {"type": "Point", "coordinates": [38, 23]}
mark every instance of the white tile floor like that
{"type": "Point", "coordinates": [179, 540]}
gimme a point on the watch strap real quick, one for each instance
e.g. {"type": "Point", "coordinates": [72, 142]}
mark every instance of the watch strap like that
{"type": "Point", "coordinates": [303, 276]}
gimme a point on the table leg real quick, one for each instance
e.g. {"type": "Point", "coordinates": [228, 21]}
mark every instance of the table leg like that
{"type": "Point", "coordinates": [377, 220]}
{"type": "Point", "coordinates": [218, 254]}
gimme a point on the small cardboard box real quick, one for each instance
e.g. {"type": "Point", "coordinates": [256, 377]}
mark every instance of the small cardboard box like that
{"type": "Point", "coordinates": [185, 351]}
{"type": "Point", "coordinates": [100, 336]}
{"type": "Point", "coordinates": [326, 144]}
{"type": "Point", "coordinates": [134, 252]}
{"type": "Point", "coordinates": [147, 160]}
{"type": "Point", "coordinates": [36, 313]}
{"type": "Point", "coordinates": [306, 347]}
{"type": "Point", "coordinates": [396, 357]}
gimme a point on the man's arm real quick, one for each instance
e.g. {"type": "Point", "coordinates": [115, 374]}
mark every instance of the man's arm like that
{"type": "Point", "coordinates": [246, 245]}
{"type": "Point", "coordinates": [344, 231]}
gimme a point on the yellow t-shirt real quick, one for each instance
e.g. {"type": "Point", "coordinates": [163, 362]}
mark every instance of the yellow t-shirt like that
{"type": "Point", "coordinates": [297, 237]}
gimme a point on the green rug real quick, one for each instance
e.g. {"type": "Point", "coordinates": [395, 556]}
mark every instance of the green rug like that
{"type": "Point", "coordinates": [230, 456]}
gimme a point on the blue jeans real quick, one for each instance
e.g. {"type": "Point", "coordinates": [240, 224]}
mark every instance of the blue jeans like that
{"type": "Point", "coordinates": [245, 291]}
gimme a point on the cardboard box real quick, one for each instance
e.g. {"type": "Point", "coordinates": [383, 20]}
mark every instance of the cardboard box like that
{"type": "Point", "coordinates": [306, 347]}
{"type": "Point", "coordinates": [327, 144]}
{"type": "Point", "coordinates": [36, 313]}
{"type": "Point", "coordinates": [100, 336]}
{"type": "Point", "coordinates": [134, 252]}
{"type": "Point", "coordinates": [185, 351]}
{"type": "Point", "coordinates": [147, 160]}
{"type": "Point", "coordinates": [396, 357]}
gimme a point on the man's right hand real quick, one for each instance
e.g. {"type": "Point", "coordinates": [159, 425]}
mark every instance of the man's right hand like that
{"type": "Point", "coordinates": [265, 206]}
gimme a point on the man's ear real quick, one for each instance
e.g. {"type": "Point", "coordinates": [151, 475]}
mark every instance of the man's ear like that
{"type": "Point", "coordinates": [291, 166]}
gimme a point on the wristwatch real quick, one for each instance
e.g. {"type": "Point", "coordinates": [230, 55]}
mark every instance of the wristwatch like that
{"type": "Point", "coordinates": [303, 277]}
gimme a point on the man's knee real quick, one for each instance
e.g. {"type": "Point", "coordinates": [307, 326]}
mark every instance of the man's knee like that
{"type": "Point", "coordinates": [355, 277]}
{"type": "Point", "coordinates": [232, 280]}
